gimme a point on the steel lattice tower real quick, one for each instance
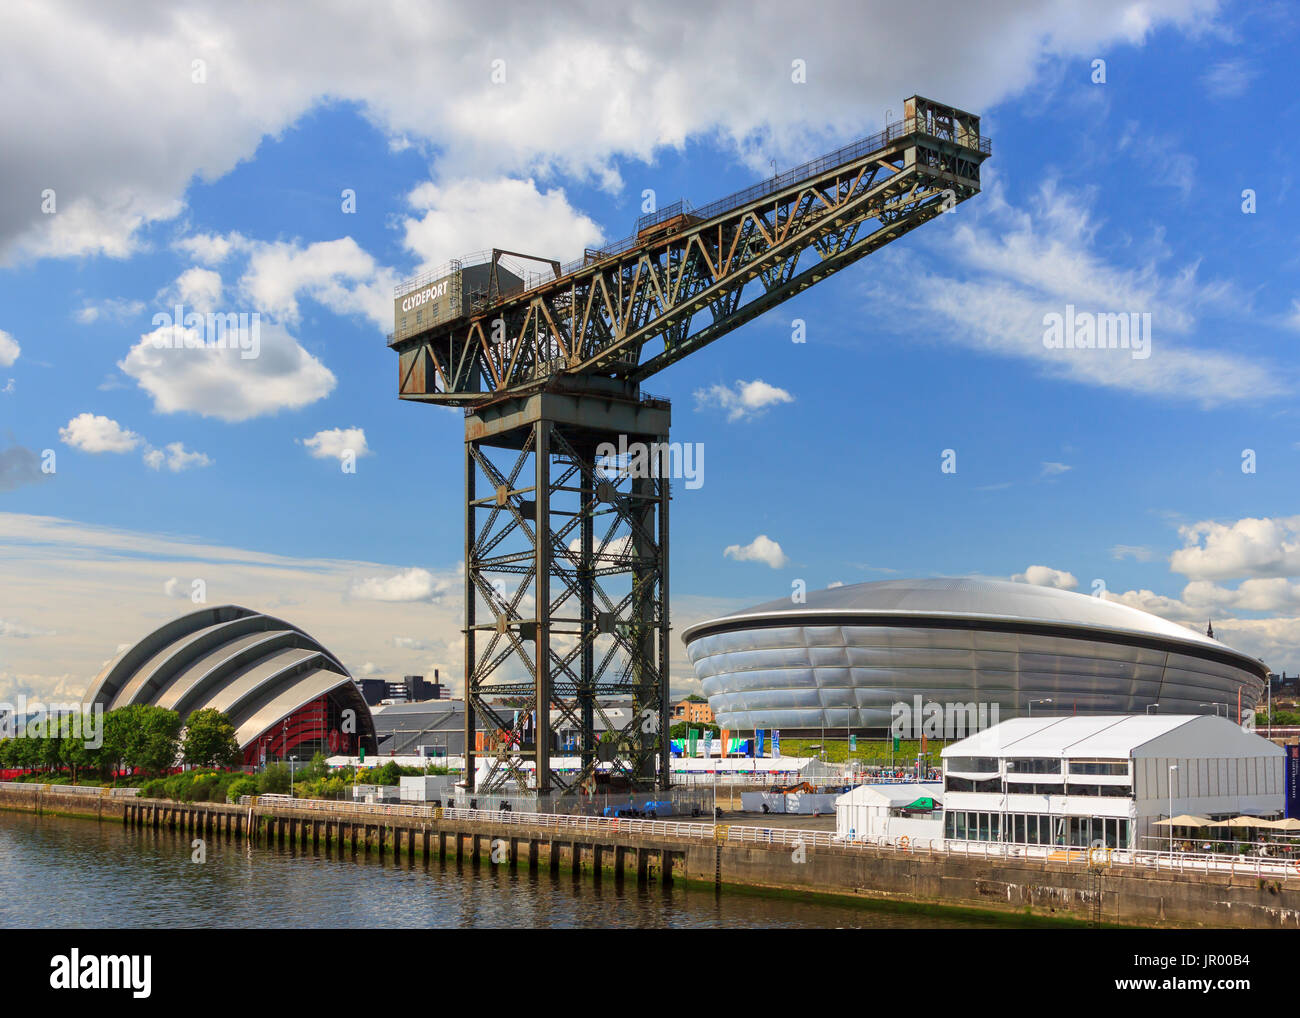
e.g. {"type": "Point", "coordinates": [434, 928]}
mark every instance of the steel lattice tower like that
{"type": "Point", "coordinates": [566, 558]}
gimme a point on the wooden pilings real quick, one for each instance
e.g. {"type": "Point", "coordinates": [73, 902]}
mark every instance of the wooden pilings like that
{"type": "Point", "coordinates": [406, 838]}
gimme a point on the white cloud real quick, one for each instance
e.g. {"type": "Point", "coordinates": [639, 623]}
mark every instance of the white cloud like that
{"type": "Point", "coordinates": [583, 86]}
{"type": "Point", "coordinates": [1055, 469]}
{"type": "Point", "coordinates": [1045, 576]}
{"type": "Point", "coordinates": [837, 583]}
{"type": "Point", "coordinates": [743, 400]}
{"type": "Point", "coordinates": [197, 288]}
{"type": "Point", "coordinates": [414, 584]}
{"type": "Point", "coordinates": [760, 549]}
{"type": "Point", "coordinates": [9, 349]}
{"type": "Point", "coordinates": [1229, 79]}
{"type": "Point", "coordinates": [335, 273]}
{"type": "Point", "coordinates": [95, 434]}
{"type": "Point", "coordinates": [116, 308]}
{"type": "Point", "coordinates": [99, 585]}
{"type": "Point", "coordinates": [1020, 264]}
{"type": "Point", "coordinates": [210, 248]}
{"type": "Point", "coordinates": [457, 217]}
{"type": "Point", "coordinates": [336, 443]}
{"type": "Point", "coordinates": [1137, 552]}
{"type": "Point", "coordinates": [176, 458]}
{"type": "Point", "coordinates": [220, 382]}
{"type": "Point", "coordinates": [1248, 547]}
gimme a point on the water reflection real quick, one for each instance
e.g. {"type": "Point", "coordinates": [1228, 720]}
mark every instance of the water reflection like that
{"type": "Point", "coordinates": [60, 872]}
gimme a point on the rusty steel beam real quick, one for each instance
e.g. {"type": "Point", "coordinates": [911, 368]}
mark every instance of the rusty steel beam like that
{"type": "Point", "coordinates": [690, 276]}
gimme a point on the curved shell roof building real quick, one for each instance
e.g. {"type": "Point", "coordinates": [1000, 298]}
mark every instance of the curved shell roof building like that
{"type": "Point", "coordinates": [281, 689]}
{"type": "Point", "coordinates": [847, 655]}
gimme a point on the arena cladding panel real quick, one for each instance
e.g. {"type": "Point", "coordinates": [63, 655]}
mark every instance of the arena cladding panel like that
{"type": "Point", "coordinates": [845, 656]}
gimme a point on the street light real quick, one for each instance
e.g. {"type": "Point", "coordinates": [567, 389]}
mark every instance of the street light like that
{"type": "Point", "coordinates": [291, 762]}
{"type": "Point", "coordinates": [1172, 768]}
{"type": "Point", "coordinates": [1216, 707]}
{"type": "Point", "coordinates": [1151, 705]}
{"type": "Point", "coordinates": [1032, 702]}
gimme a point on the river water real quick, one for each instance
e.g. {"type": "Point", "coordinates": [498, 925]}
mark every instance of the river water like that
{"type": "Point", "coordinates": [59, 872]}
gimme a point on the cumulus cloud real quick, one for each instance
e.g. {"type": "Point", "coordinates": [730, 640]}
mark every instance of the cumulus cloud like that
{"type": "Point", "coordinates": [336, 273]}
{"type": "Point", "coordinates": [414, 584]}
{"type": "Point", "coordinates": [337, 443]}
{"type": "Point", "coordinates": [197, 288]}
{"type": "Point", "coordinates": [9, 349]}
{"type": "Point", "coordinates": [1045, 576]}
{"type": "Point", "coordinates": [454, 218]}
{"type": "Point", "coordinates": [219, 381]}
{"type": "Point", "coordinates": [743, 400]}
{"type": "Point", "coordinates": [175, 458]}
{"type": "Point", "coordinates": [583, 87]}
{"type": "Point", "coordinates": [1248, 547]}
{"type": "Point", "coordinates": [95, 434]}
{"type": "Point", "coordinates": [760, 549]}
{"type": "Point", "coordinates": [1055, 469]}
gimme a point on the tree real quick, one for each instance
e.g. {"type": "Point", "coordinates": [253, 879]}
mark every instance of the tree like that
{"type": "Point", "coordinates": [142, 737]}
{"type": "Point", "coordinates": [210, 739]}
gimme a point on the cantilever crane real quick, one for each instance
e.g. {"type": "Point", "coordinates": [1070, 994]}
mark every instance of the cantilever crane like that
{"type": "Point", "coordinates": [566, 549]}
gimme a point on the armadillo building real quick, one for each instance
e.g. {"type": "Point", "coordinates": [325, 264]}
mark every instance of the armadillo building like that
{"type": "Point", "coordinates": [846, 656]}
{"type": "Point", "coordinates": [284, 692]}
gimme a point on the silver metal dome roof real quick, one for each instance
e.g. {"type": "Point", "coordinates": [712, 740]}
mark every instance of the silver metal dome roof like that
{"type": "Point", "coordinates": [974, 599]}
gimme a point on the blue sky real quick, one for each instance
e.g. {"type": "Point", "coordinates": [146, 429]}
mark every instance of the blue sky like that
{"type": "Point", "coordinates": [1072, 466]}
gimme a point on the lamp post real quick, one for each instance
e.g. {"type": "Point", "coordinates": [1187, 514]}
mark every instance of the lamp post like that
{"type": "Point", "coordinates": [1172, 768]}
{"type": "Point", "coordinates": [1032, 702]}
{"type": "Point", "coordinates": [1150, 706]}
{"type": "Point", "coordinates": [291, 762]}
{"type": "Point", "coordinates": [1216, 707]}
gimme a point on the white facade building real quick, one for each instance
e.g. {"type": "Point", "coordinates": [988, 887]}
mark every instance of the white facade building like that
{"type": "Point", "coordinates": [873, 812]}
{"type": "Point", "coordinates": [1078, 781]}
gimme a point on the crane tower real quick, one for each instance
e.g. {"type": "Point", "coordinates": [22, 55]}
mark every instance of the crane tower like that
{"type": "Point", "coordinates": [567, 460]}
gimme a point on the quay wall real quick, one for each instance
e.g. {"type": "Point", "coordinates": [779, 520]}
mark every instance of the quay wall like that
{"type": "Point", "coordinates": [667, 851]}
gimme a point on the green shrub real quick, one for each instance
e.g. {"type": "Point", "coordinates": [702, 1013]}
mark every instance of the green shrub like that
{"type": "Point", "coordinates": [155, 789]}
{"type": "Point", "coordinates": [275, 778]}
{"type": "Point", "coordinates": [244, 784]}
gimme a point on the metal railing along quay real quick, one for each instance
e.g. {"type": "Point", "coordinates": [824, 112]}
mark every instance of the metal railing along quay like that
{"type": "Point", "coordinates": [1111, 858]}
{"type": "Point", "coordinates": [89, 790]}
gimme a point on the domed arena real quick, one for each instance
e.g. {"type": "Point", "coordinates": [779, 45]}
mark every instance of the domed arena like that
{"type": "Point", "coordinates": [284, 692]}
{"type": "Point", "coordinates": [847, 656]}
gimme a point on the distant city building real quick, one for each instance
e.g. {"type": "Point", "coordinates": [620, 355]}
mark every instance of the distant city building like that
{"type": "Point", "coordinates": [411, 689]}
{"type": "Point", "coordinates": [693, 712]}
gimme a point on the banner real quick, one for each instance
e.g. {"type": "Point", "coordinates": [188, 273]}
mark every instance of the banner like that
{"type": "Point", "coordinates": [776, 742]}
{"type": "Point", "coordinates": [726, 742]}
{"type": "Point", "coordinates": [1293, 781]}
{"type": "Point", "coordinates": [693, 735]}
{"type": "Point", "coordinates": [708, 742]}
{"type": "Point", "coordinates": [758, 742]}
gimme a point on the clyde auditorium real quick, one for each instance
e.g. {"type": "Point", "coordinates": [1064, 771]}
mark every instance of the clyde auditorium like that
{"type": "Point", "coordinates": [844, 657]}
{"type": "Point", "coordinates": [284, 693]}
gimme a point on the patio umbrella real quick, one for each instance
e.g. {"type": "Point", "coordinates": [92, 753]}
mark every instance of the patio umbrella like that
{"type": "Point", "coordinates": [1186, 820]}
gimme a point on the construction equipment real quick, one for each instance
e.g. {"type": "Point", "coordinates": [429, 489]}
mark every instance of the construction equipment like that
{"type": "Point", "coordinates": [567, 461]}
